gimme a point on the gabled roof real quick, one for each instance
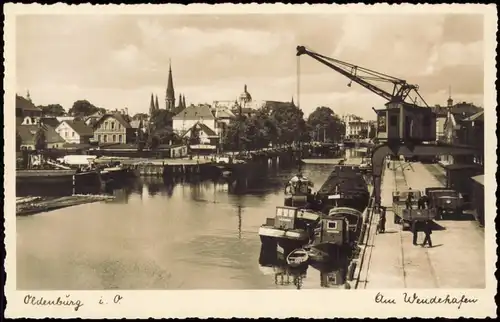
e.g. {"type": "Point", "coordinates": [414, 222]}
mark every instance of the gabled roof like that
{"type": "Point", "coordinates": [52, 121]}
{"type": "Point", "coordinates": [203, 127]}
{"type": "Point", "coordinates": [26, 105]}
{"type": "Point", "coordinates": [224, 113]}
{"type": "Point", "coordinates": [208, 131]}
{"type": "Point", "coordinates": [27, 133]}
{"type": "Point", "coordinates": [195, 112]}
{"type": "Point", "coordinates": [80, 127]}
{"type": "Point", "coordinates": [122, 119]}
{"type": "Point", "coordinates": [479, 116]}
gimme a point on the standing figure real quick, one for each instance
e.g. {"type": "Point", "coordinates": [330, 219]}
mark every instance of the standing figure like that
{"type": "Point", "coordinates": [428, 232]}
{"type": "Point", "coordinates": [409, 199]}
{"type": "Point", "coordinates": [421, 202]}
{"type": "Point", "coordinates": [382, 220]}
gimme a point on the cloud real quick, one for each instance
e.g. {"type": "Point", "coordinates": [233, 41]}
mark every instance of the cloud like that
{"type": "Point", "coordinates": [118, 61]}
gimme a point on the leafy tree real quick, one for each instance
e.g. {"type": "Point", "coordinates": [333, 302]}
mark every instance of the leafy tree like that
{"type": "Point", "coordinates": [324, 118]}
{"type": "Point", "coordinates": [84, 108]}
{"type": "Point", "coordinates": [19, 141]}
{"type": "Point", "coordinates": [40, 139]}
{"type": "Point", "coordinates": [52, 110]}
{"type": "Point", "coordinates": [160, 120]}
{"type": "Point", "coordinates": [288, 120]}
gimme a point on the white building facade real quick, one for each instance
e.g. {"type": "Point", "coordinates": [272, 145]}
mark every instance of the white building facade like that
{"type": "Point", "coordinates": [355, 126]}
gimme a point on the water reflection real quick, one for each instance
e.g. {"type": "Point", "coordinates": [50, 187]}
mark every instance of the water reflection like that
{"type": "Point", "coordinates": [331, 274]}
{"type": "Point", "coordinates": [161, 233]}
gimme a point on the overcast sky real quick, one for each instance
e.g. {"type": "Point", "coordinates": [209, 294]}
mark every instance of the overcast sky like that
{"type": "Point", "coordinates": [118, 61]}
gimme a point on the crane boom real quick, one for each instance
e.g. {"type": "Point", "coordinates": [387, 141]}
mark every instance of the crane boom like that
{"type": "Point", "coordinates": [362, 76]}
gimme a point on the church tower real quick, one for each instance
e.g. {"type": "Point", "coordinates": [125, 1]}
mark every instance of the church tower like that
{"type": "Point", "coordinates": [157, 106]}
{"type": "Point", "coordinates": [170, 95]}
{"type": "Point", "coordinates": [151, 106]}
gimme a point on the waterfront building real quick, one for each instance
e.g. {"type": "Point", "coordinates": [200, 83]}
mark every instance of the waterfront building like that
{"type": "Point", "coordinates": [355, 127]}
{"type": "Point", "coordinates": [191, 115]}
{"type": "Point", "coordinates": [75, 132]}
{"type": "Point", "coordinates": [207, 135]}
{"type": "Point", "coordinates": [114, 128]}
{"type": "Point", "coordinates": [27, 133]}
{"type": "Point", "coordinates": [26, 112]}
{"type": "Point", "coordinates": [455, 124]}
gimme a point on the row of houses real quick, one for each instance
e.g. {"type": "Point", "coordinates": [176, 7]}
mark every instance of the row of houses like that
{"type": "Point", "coordinates": [117, 127]}
{"type": "Point", "coordinates": [68, 131]}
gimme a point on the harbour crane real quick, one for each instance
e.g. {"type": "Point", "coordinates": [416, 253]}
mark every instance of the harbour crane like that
{"type": "Point", "coordinates": [411, 128]}
{"type": "Point", "coordinates": [363, 76]}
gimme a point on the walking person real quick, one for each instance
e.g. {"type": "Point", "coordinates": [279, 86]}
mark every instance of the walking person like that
{"type": "Point", "coordinates": [382, 220]}
{"type": "Point", "coordinates": [414, 230]}
{"type": "Point", "coordinates": [428, 232]}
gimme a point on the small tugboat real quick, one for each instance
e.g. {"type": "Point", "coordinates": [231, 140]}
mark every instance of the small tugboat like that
{"type": "Point", "coordinates": [290, 228]}
{"type": "Point", "coordinates": [299, 192]}
{"type": "Point", "coordinates": [297, 257]}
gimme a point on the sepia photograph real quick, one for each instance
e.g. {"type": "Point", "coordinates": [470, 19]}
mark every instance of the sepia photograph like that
{"type": "Point", "coordinates": [277, 150]}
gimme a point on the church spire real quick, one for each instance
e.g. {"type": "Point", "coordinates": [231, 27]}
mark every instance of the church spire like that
{"type": "Point", "coordinates": [184, 101]}
{"type": "Point", "coordinates": [170, 94]}
{"type": "Point", "coordinates": [180, 103]}
{"type": "Point", "coordinates": [151, 106]}
{"type": "Point", "coordinates": [157, 106]}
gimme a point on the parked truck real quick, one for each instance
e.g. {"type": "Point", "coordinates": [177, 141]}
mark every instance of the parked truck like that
{"type": "Point", "coordinates": [405, 215]}
{"type": "Point", "coordinates": [446, 202]}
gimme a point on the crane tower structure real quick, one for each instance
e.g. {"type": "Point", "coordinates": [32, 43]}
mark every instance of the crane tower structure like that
{"type": "Point", "coordinates": [407, 126]}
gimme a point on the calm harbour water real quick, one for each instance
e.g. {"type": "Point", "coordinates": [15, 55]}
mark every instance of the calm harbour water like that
{"type": "Point", "coordinates": [158, 236]}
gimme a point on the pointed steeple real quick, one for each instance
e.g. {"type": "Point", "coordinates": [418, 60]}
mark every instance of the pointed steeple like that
{"type": "Point", "coordinates": [157, 106]}
{"type": "Point", "coordinates": [170, 94]}
{"type": "Point", "coordinates": [180, 102]}
{"type": "Point", "coordinates": [184, 101]}
{"type": "Point", "coordinates": [151, 106]}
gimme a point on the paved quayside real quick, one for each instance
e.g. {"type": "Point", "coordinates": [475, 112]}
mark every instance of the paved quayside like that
{"type": "Point", "coordinates": [392, 261]}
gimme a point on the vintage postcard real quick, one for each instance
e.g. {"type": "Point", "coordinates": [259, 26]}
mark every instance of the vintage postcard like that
{"type": "Point", "coordinates": [228, 160]}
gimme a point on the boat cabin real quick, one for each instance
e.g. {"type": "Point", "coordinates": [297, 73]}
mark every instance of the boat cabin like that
{"type": "Point", "coordinates": [406, 122]}
{"type": "Point", "coordinates": [332, 231]}
{"type": "Point", "coordinates": [354, 217]}
{"type": "Point", "coordinates": [285, 217]}
{"type": "Point", "coordinates": [334, 278]}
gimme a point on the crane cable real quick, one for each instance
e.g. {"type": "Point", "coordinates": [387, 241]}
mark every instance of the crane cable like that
{"type": "Point", "coordinates": [298, 81]}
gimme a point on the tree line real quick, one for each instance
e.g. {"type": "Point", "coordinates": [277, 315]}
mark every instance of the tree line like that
{"type": "Point", "coordinates": [279, 125]}
{"type": "Point", "coordinates": [270, 125]}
